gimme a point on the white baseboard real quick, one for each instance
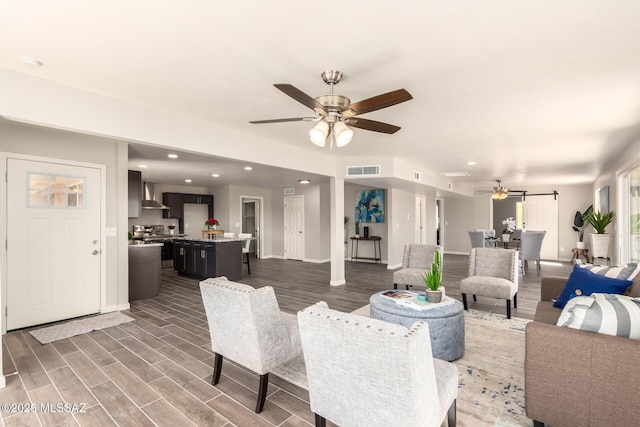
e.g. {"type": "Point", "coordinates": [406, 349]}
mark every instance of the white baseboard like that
{"type": "Point", "coordinates": [393, 267]}
{"type": "Point", "coordinates": [337, 282]}
{"type": "Point", "coordinates": [317, 261]}
{"type": "Point", "coordinates": [272, 257]}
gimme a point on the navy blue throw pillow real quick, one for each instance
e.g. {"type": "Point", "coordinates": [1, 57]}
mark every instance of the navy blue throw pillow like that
{"type": "Point", "coordinates": [589, 283]}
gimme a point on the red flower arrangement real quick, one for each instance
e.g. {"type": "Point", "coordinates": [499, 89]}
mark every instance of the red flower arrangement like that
{"type": "Point", "coordinates": [212, 221]}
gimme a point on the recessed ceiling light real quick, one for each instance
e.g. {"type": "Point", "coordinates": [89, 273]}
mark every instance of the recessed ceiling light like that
{"type": "Point", "coordinates": [215, 175]}
{"type": "Point", "coordinates": [304, 181]}
{"type": "Point", "coordinates": [248, 168]}
{"type": "Point", "coordinates": [471, 163]}
{"type": "Point", "coordinates": [172, 156]}
{"type": "Point", "coordinates": [142, 166]}
{"type": "Point", "coordinates": [187, 180]}
{"type": "Point", "coordinates": [32, 62]}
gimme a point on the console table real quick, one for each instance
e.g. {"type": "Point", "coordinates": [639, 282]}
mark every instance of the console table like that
{"type": "Point", "coordinates": [377, 251]}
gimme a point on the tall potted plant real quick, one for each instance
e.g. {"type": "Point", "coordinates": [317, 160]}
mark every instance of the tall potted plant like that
{"type": "Point", "coordinates": [433, 278]}
{"type": "Point", "coordinates": [579, 224]}
{"type": "Point", "coordinates": [600, 239]}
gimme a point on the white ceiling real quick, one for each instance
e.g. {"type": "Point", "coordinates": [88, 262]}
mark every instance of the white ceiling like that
{"type": "Point", "coordinates": [540, 92]}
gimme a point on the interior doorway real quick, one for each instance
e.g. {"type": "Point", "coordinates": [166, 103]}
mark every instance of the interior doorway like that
{"type": "Point", "coordinates": [252, 222]}
{"type": "Point", "coordinates": [294, 227]}
{"type": "Point", "coordinates": [421, 219]}
{"type": "Point", "coordinates": [439, 222]}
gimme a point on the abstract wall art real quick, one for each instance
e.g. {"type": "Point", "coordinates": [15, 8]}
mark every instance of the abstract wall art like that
{"type": "Point", "coordinates": [370, 206]}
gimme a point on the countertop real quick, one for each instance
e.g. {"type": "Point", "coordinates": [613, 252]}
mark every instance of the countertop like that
{"type": "Point", "coordinates": [140, 244]}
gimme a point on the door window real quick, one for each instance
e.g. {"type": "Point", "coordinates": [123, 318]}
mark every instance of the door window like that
{"type": "Point", "coordinates": [55, 191]}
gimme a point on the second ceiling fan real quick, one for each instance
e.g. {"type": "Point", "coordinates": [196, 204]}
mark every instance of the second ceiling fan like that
{"type": "Point", "coordinates": [334, 112]}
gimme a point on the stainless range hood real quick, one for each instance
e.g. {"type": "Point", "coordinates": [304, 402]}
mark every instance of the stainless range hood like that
{"type": "Point", "coordinates": [149, 200]}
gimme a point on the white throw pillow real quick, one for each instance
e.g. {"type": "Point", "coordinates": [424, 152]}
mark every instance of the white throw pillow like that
{"type": "Point", "coordinates": [610, 314]}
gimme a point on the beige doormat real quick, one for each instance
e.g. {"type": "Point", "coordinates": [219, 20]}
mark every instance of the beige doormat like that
{"type": "Point", "coordinates": [78, 327]}
{"type": "Point", "coordinates": [491, 372]}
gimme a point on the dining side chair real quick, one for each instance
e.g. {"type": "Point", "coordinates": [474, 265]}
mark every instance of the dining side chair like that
{"type": "Point", "coordinates": [245, 248]}
{"type": "Point", "coordinates": [530, 247]}
{"type": "Point", "coordinates": [477, 239]}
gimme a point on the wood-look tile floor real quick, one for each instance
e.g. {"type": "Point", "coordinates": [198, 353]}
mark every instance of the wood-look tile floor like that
{"type": "Point", "coordinates": [157, 370]}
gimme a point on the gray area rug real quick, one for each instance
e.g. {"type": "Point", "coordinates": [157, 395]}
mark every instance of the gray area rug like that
{"type": "Point", "coordinates": [78, 327]}
{"type": "Point", "coordinates": [491, 372]}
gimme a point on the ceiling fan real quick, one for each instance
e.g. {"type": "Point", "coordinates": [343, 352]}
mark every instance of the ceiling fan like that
{"type": "Point", "coordinates": [334, 112]}
{"type": "Point", "coordinates": [501, 192]}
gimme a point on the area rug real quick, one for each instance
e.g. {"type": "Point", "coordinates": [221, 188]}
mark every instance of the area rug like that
{"type": "Point", "coordinates": [80, 326]}
{"type": "Point", "coordinates": [491, 373]}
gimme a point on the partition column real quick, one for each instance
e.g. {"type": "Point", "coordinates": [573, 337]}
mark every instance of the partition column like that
{"type": "Point", "coordinates": [337, 231]}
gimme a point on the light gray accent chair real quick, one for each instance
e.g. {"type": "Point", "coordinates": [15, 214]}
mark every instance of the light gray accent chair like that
{"type": "Point", "coordinates": [247, 326]}
{"type": "Point", "coordinates": [477, 239]}
{"type": "Point", "coordinates": [530, 247]}
{"type": "Point", "coordinates": [245, 248]}
{"type": "Point", "coordinates": [493, 272]}
{"type": "Point", "coordinates": [416, 259]}
{"type": "Point", "coordinates": [365, 372]}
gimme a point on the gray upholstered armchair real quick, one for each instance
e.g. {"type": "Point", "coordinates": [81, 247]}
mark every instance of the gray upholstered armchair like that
{"type": "Point", "coordinates": [364, 372]}
{"type": "Point", "coordinates": [416, 259]}
{"type": "Point", "coordinates": [246, 326]}
{"type": "Point", "coordinates": [493, 273]}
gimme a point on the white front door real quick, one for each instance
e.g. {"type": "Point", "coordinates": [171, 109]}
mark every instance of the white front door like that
{"type": "Point", "coordinates": [294, 227]}
{"type": "Point", "coordinates": [540, 213]}
{"type": "Point", "coordinates": [53, 241]}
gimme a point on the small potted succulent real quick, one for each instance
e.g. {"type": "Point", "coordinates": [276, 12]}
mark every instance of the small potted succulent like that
{"type": "Point", "coordinates": [171, 228]}
{"type": "Point", "coordinates": [433, 278]}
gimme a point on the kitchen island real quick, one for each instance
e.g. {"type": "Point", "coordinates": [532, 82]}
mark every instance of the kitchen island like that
{"type": "Point", "coordinates": [208, 258]}
{"type": "Point", "coordinates": [144, 270]}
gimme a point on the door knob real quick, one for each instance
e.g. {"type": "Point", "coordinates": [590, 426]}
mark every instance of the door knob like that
{"type": "Point", "coordinates": [95, 252]}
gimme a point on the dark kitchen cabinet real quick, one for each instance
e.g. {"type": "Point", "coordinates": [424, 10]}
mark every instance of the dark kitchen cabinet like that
{"type": "Point", "coordinates": [204, 259]}
{"type": "Point", "coordinates": [180, 249]}
{"type": "Point", "coordinates": [200, 199]}
{"type": "Point", "coordinates": [135, 194]}
{"type": "Point", "coordinates": [175, 203]}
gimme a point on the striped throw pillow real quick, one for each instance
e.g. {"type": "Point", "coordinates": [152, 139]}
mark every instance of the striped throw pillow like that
{"type": "Point", "coordinates": [610, 314]}
{"type": "Point", "coordinates": [622, 271]}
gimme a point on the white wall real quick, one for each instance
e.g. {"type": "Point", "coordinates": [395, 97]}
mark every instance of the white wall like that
{"type": "Point", "coordinates": [464, 214]}
{"type": "Point", "coordinates": [608, 176]}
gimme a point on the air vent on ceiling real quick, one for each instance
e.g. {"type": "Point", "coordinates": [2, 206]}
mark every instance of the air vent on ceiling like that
{"type": "Point", "coordinates": [363, 170]}
{"type": "Point", "coordinates": [456, 174]}
{"type": "Point", "coordinates": [417, 176]}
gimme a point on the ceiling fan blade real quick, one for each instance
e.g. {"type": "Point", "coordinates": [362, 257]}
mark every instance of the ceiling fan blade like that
{"type": "Point", "coordinates": [377, 102]}
{"type": "Point", "coordinates": [300, 96]}
{"type": "Point", "coordinates": [292, 119]}
{"type": "Point", "coordinates": [372, 125]}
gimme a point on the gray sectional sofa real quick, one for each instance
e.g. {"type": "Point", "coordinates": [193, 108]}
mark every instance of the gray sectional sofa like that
{"type": "Point", "coordinates": [579, 378]}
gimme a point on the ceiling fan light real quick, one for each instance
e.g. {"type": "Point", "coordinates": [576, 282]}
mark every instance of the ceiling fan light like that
{"type": "Point", "coordinates": [342, 133]}
{"type": "Point", "coordinates": [318, 134]}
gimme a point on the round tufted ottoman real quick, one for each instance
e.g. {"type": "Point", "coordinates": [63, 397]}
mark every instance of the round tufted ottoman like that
{"type": "Point", "coordinates": [445, 320]}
